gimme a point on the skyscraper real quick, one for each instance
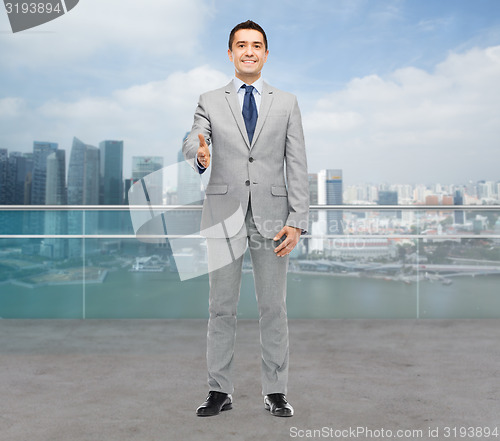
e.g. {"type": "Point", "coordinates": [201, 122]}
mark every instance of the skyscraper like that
{"type": "Point", "coordinates": [333, 196]}
{"type": "Point", "coordinates": [83, 174]}
{"type": "Point", "coordinates": [83, 189]}
{"type": "Point", "coordinates": [313, 194]}
{"type": "Point", "coordinates": [3, 177]}
{"type": "Point", "coordinates": [313, 215]}
{"type": "Point", "coordinates": [41, 150]}
{"type": "Point", "coordinates": [459, 215]}
{"type": "Point", "coordinates": [111, 172]}
{"type": "Point", "coordinates": [55, 194]}
{"type": "Point", "coordinates": [388, 197]}
{"type": "Point", "coordinates": [13, 171]}
{"type": "Point", "coordinates": [55, 187]}
{"type": "Point", "coordinates": [143, 166]}
{"type": "Point", "coordinates": [111, 184]}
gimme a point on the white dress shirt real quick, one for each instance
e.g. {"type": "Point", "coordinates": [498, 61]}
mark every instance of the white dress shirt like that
{"type": "Point", "coordinates": [257, 91]}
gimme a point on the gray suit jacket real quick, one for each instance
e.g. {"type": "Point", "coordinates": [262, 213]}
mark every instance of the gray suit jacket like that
{"type": "Point", "coordinates": [272, 171]}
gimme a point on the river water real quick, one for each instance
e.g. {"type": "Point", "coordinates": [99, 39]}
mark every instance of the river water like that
{"type": "Point", "coordinates": [126, 294]}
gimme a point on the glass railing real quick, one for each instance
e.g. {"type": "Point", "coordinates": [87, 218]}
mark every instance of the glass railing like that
{"type": "Point", "coordinates": [356, 261]}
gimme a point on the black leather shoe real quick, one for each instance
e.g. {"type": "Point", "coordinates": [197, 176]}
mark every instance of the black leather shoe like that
{"type": "Point", "coordinates": [278, 405]}
{"type": "Point", "coordinates": [216, 402]}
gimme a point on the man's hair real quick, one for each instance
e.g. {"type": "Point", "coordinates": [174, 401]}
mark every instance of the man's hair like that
{"type": "Point", "coordinates": [249, 24]}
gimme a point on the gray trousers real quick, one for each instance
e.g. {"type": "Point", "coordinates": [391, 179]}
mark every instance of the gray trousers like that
{"type": "Point", "coordinates": [270, 288]}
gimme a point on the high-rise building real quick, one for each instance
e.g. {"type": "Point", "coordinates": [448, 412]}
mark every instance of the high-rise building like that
{"type": "Point", "coordinates": [313, 189]}
{"type": "Point", "coordinates": [55, 187]}
{"type": "Point", "coordinates": [55, 194]}
{"type": "Point", "coordinates": [128, 184]}
{"type": "Point", "coordinates": [13, 171]}
{"type": "Point", "coordinates": [485, 189]}
{"type": "Point", "coordinates": [143, 166]}
{"type": "Point", "coordinates": [41, 150]}
{"type": "Point", "coordinates": [334, 196]}
{"type": "Point", "coordinates": [431, 199]}
{"type": "Point", "coordinates": [419, 193]}
{"type": "Point", "coordinates": [405, 193]}
{"type": "Point", "coordinates": [83, 174]}
{"type": "Point", "coordinates": [388, 197]}
{"type": "Point", "coordinates": [3, 177]}
{"type": "Point", "coordinates": [23, 168]}
{"type": "Point", "coordinates": [83, 189]}
{"type": "Point", "coordinates": [111, 185]}
{"type": "Point", "coordinates": [459, 215]}
{"type": "Point", "coordinates": [111, 172]}
{"type": "Point", "coordinates": [447, 199]}
{"type": "Point", "coordinates": [314, 215]}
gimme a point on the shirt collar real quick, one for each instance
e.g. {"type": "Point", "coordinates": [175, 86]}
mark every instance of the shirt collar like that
{"type": "Point", "coordinates": [256, 84]}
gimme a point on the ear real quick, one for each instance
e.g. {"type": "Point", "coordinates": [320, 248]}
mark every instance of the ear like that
{"type": "Point", "coordinates": [230, 55]}
{"type": "Point", "coordinates": [265, 56]}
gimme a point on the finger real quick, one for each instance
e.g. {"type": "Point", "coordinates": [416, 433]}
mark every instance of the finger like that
{"type": "Point", "coordinates": [284, 251]}
{"type": "Point", "coordinates": [279, 235]}
{"type": "Point", "coordinates": [281, 246]}
{"type": "Point", "coordinates": [290, 245]}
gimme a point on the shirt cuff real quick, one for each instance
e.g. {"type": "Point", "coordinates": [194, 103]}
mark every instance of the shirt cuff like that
{"type": "Point", "coordinates": [199, 165]}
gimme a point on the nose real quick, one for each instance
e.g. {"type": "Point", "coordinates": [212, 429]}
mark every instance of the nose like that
{"type": "Point", "coordinates": [249, 51]}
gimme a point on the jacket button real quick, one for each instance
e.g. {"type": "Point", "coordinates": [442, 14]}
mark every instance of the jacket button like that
{"type": "Point", "coordinates": [247, 183]}
{"type": "Point", "coordinates": [250, 159]}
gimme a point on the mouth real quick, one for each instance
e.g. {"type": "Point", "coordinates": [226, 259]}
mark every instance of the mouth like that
{"type": "Point", "coordinates": [249, 61]}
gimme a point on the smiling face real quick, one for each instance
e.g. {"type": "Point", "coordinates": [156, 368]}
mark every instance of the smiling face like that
{"type": "Point", "coordinates": [248, 54]}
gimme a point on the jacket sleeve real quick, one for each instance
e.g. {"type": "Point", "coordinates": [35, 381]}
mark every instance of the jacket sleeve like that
{"type": "Point", "coordinates": [296, 172]}
{"type": "Point", "coordinates": [201, 125]}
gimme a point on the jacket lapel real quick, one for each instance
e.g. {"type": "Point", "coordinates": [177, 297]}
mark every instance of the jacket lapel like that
{"type": "Point", "coordinates": [232, 100]}
{"type": "Point", "coordinates": [265, 105]}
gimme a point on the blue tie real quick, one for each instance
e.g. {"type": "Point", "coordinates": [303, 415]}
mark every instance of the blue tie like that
{"type": "Point", "coordinates": [249, 111]}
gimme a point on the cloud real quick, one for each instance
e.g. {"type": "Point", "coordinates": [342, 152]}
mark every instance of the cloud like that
{"type": "Point", "coordinates": [423, 126]}
{"type": "Point", "coordinates": [151, 118]}
{"type": "Point", "coordinates": [107, 28]}
{"type": "Point", "coordinates": [11, 107]}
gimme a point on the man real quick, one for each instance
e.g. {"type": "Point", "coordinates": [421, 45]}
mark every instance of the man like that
{"type": "Point", "coordinates": [255, 130]}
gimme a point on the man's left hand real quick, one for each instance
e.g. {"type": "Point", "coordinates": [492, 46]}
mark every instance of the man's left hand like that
{"type": "Point", "coordinates": [292, 238]}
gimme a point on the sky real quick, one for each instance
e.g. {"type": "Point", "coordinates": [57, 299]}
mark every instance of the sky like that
{"type": "Point", "coordinates": [397, 91]}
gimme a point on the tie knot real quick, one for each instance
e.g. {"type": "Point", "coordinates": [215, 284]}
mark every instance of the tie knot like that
{"type": "Point", "coordinates": [248, 89]}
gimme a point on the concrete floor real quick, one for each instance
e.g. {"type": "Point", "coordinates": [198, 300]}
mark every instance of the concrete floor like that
{"type": "Point", "coordinates": [106, 380]}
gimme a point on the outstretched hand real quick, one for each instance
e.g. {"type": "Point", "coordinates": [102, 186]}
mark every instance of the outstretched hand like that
{"type": "Point", "coordinates": [292, 239]}
{"type": "Point", "coordinates": [203, 153]}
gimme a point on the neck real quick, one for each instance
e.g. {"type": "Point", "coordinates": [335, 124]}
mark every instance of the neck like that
{"type": "Point", "coordinates": [247, 79]}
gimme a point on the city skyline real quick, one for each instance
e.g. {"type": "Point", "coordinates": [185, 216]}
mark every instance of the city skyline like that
{"type": "Point", "coordinates": [395, 91]}
{"type": "Point", "coordinates": [95, 177]}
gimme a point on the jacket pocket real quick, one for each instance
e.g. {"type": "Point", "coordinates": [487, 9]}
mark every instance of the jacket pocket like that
{"type": "Point", "coordinates": [216, 189]}
{"type": "Point", "coordinates": [278, 190]}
